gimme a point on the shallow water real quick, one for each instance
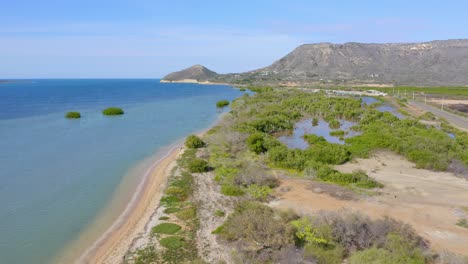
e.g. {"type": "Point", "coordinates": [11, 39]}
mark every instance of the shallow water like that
{"type": "Point", "coordinates": [304, 127]}
{"type": "Point", "coordinates": [56, 174]}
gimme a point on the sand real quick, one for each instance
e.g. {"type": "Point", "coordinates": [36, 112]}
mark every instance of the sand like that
{"type": "Point", "coordinates": [431, 202]}
{"type": "Point", "coordinates": [114, 243]}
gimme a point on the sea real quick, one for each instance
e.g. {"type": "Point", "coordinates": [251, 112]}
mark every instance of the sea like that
{"type": "Point", "coordinates": [58, 175]}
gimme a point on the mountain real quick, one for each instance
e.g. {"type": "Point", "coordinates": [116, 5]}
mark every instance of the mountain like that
{"type": "Point", "coordinates": [443, 62]}
{"type": "Point", "coordinates": [196, 73]}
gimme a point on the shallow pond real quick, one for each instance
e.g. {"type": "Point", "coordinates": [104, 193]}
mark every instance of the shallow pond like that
{"type": "Point", "coordinates": [304, 127]}
{"type": "Point", "coordinates": [367, 100]}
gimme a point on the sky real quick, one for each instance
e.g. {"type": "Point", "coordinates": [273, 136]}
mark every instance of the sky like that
{"type": "Point", "coordinates": [151, 38]}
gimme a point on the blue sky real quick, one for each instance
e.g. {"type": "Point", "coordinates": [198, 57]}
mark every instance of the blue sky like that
{"type": "Point", "coordinates": [135, 39]}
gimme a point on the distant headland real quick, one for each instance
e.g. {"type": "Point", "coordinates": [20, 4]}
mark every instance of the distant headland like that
{"type": "Point", "coordinates": [440, 62]}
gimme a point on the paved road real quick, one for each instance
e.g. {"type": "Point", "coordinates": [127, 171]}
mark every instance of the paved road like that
{"type": "Point", "coordinates": [456, 120]}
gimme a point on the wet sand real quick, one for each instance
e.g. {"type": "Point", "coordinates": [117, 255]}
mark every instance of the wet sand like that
{"type": "Point", "coordinates": [114, 243]}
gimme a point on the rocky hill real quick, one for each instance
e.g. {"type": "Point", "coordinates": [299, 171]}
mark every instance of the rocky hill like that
{"type": "Point", "coordinates": [196, 73]}
{"type": "Point", "coordinates": [429, 63]}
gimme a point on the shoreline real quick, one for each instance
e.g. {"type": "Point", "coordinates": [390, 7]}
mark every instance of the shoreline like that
{"type": "Point", "coordinates": [112, 245]}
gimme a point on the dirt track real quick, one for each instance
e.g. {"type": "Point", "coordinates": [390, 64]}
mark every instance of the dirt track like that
{"type": "Point", "coordinates": [432, 202]}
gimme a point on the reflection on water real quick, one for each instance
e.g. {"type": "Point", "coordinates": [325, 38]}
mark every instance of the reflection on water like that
{"type": "Point", "coordinates": [367, 100]}
{"type": "Point", "coordinates": [304, 127]}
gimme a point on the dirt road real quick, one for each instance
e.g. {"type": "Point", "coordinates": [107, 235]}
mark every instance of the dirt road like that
{"type": "Point", "coordinates": [432, 202]}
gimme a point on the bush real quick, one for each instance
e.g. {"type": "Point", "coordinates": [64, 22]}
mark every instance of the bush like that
{"type": "Point", "coordinates": [337, 133]}
{"type": "Point", "coordinates": [315, 121]}
{"type": "Point", "coordinates": [462, 223]}
{"type": "Point", "coordinates": [256, 227]}
{"type": "Point", "coordinates": [113, 111]}
{"type": "Point", "coordinates": [334, 124]}
{"type": "Point", "coordinates": [231, 190]}
{"type": "Point", "coordinates": [173, 242]}
{"type": "Point", "coordinates": [324, 255]}
{"type": "Point", "coordinates": [73, 115]}
{"type": "Point", "coordinates": [222, 103]}
{"type": "Point", "coordinates": [166, 228]}
{"type": "Point", "coordinates": [260, 142]}
{"type": "Point", "coordinates": [242, 89]}
{"type": "Point", "coordinates": [194, 141]}
{"type": "Point", "coordinates": [198, 166]}
{"type": "Point", "coordinates": [259, 192]}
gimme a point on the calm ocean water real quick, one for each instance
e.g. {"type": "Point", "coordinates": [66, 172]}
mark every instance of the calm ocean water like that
{"type": "Point", "coordinates": [56, 175]}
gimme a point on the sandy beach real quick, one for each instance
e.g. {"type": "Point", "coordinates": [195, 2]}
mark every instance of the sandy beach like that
{"type": "Point", "coordinates": [114, 243]}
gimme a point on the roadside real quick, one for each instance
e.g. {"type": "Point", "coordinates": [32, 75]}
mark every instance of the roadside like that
{"type": "Point", "coordinates": [455, 120]}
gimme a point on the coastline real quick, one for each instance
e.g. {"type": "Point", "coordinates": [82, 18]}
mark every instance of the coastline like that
{"type": "Point", "coordinates": [203, 82]}
{"type": "Point", "coordinates": [113, 244]}
{"type": "Point", "coordinates": [115, 241]}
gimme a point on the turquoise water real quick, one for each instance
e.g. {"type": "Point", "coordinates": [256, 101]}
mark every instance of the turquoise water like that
{"type": "Point", "coordinates": [56, 174]}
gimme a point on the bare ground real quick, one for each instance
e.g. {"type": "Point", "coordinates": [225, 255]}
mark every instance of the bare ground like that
{"type": "Point", "coordinates": [432, 202]}
{"type": "Point", "coordinates": [209, 199]}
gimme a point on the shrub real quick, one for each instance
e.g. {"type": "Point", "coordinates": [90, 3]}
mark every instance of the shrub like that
{"type": "Point", "coordinates": [166, 228]}
{"type": "Point", "coordinates": [337, 133]}
{"type": "Point", "coordinates": [173, 242]}
{"type": "Point", "coordinates": [315, 121]}
{"type": "Point", "coordinates": [242, 89]}
{"type": "Point", "coordinates": [256, 227]}
{"type": "Point", "coordinates": [187, 213]}
{"type": "Point", "coordinates": [73, 115]}
{"type": "Point", "coordinates": [145, 255]}
{"type": "Point", "coordinates": [231, 190]}
{"type": "Point", "coordinates": [113, 111]}
{"type": "Point", "coordinates": [334, 124]}
{"type": "Point", "coordinates": [164, 218]}
{"type": "Point", "coordinates": [462, 223]}
{"type": "Point", "coordinates": [171, 210]}
{"type": "Point", "coordinates": [194, 141]}
{"type": "Point", "coordinates": [259, 192]}
{"type": "Point", "coordinates": [260, 142]}
{"type": "Point", "coordinates": [313, 139]}
{"type": "Point", "coordinates": [198, 166]}
{"type": "Point", "coordinates": [324, 255]}
{"type": "Point", "coordinates": [219, 213]}
{"type": "Point", "coordinates": [222, 103]}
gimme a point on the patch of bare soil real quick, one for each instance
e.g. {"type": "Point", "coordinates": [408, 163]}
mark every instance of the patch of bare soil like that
{"type": "Point", "coordinates": [432, 202]}
{"type": "Point", "coordinates": [209, 200]}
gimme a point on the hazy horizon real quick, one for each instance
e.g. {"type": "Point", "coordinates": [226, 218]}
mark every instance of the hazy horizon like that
{"type": "Point", "coordinates": [147, 39]}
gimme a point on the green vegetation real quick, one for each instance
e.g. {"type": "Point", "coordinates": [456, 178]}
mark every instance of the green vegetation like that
{"type": "Point", "coordinates": [265, 235]}
{"type": "Point", "coordinates": [113, 111]}
{"type": "Point", "coordinates": [73, 115]}
{"type": "Point", "coordinates": [242, 89]}
{"type": "Point", "coordinates": [337, 133]}
{"type": "Point", "coordinates": [219, 213]}
{"type": "Point", "coordinates": [315, 121]}
{"type": "Point", "coordinates": [428, 116]}
{"type": "Point", "coordinates": [222, 103]}
{"type": "Point", "coordinates": [194, 141]}
{"type": "Point", "coordinates": [462, 223]}
{"type": "Point", "coordinates": [198, 166]}
{"type": "Point", "coordinates": [166, 228]}
{"type": "Point", "coordinates": [177, 201]}
{"type": "Point", "coordinates": [172, 242]}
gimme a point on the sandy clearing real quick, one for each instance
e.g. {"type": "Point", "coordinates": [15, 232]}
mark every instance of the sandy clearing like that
{"type": "Point", "coordinates": [115, 242]}
{"type": "Point", "coordinates": [430, 201]}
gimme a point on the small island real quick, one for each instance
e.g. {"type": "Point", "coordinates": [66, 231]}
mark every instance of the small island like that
{"type": "Point", "coordinates": [222, 103]}
{"type": "Point", "coordinates": [73, 115]}
{"type": "Point", "coordinates": [113, 111]}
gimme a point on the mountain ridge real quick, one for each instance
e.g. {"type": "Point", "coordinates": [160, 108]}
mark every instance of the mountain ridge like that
{"type": "Point", "coordinates": [438, 62]}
